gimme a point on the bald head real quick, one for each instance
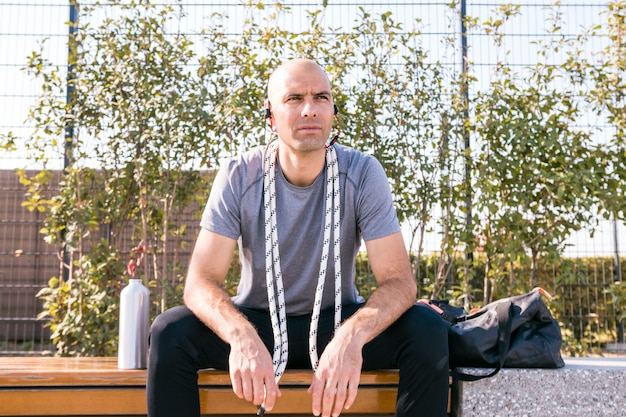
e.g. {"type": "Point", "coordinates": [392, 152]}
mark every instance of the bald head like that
{"type": "Point", "coordinates": [299, 69]}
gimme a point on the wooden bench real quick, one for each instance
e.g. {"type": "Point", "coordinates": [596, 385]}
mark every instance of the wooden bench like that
{"type": "Point", "coordinates": [43, 386]}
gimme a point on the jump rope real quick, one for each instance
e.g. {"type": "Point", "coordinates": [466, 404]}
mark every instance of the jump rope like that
{"type": "Point", "coordinates": [273, 273]}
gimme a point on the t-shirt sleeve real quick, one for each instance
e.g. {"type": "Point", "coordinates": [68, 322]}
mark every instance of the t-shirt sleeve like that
{"type": "Point", "coordinates": [376, 211]}
{"type": "Point", "coordinates": [222, 211]}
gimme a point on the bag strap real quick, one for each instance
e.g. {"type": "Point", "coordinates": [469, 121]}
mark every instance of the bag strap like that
{"type": "Point", "coordinates": [447, 312]}
{"type": "Point", "coordinates": [504, 315]}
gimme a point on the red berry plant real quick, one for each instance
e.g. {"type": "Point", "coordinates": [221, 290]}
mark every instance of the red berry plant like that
{"type": "Point", "coordinates": [136, 259]}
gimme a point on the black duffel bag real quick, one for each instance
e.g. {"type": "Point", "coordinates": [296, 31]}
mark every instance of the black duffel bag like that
{"type": "Point", "coordinates": [514, 332]}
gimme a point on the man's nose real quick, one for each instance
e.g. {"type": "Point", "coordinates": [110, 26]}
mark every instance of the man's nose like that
{"type": "Point", "coordinates": [309, 109]}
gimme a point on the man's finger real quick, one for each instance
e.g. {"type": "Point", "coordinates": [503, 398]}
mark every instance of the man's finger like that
{"type": "Point", "coordinates": [237, 389]}
{"type": "Point", "coordinates": [316, 391]}
{"type": "Point", "coordinates": [258, 393]}
{"type": "Point", "coordinates": [328, 399]}
{"type": "Point", "coordinates": [248, 389]}
{"type": "Point", "coordinates": [353, 389]}
{"type": "Point", "coordinates": [271, 392]}
{"type": "Point", "coordinates": [340, 399]}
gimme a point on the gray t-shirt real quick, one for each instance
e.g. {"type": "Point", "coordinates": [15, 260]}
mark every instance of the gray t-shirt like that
{"type": "Point", "coordinates": [235, 210]}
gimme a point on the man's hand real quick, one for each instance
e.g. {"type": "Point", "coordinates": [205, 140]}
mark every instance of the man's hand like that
{"type": "Point", "coordinates": [252, 373]}
{"type": "Point", "coordinates": [336, 382]}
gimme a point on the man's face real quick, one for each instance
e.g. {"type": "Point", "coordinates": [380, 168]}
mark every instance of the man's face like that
{"type": "Point", "coordinates": [301, 105]}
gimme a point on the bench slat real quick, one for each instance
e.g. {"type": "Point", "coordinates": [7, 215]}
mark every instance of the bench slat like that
{"type": "Point", "coordinates": [296, 401]}
{"type": "Point", "coordinates": [63, 402]}
{"type": "Point", "coordinates": [131, 401]}
{"type": "Point", "coordinates": [49, 372]}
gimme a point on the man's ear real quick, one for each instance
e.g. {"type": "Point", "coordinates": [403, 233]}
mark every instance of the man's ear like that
{"type": "Point", "coordinates": [267, 106]}
{"type": "Point", "coordinates": [267, 114]}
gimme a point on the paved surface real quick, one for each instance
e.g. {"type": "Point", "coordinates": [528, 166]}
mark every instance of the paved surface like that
{"type": "Point", "coordinates": [584, 387]}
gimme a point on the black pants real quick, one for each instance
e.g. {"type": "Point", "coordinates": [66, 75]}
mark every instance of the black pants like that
{"type": "Point", "coordinates": [416, 344]}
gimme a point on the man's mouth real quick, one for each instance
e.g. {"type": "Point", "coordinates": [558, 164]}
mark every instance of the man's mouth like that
{"type": "Point", "coordinates": [309, 128]}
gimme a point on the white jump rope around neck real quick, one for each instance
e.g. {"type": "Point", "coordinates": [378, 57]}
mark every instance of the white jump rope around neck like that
{"type": "Point", "coordinates": [273, 273]}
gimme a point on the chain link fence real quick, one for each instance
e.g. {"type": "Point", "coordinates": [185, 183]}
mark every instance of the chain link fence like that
{"type": "Point", "coordinates": [581, 282]}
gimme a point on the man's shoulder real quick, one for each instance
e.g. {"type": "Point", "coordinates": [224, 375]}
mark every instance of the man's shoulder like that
{"type": "Point", "coordinates": [248, 156]}
{"type": "Point", "coordinates": [353, 159]}
{"type": "Point", "coordinates": [251, 159]}
{"type": "Point", "coordinates": [242, 171]}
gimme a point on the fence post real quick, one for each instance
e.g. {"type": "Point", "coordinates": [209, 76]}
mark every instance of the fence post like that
{"type": "Point", "coordinates": [618, 278]}
{"type": "Point", "coordinates": [69, 127]}
{"type": "Point", "coordinates": [464, 93]}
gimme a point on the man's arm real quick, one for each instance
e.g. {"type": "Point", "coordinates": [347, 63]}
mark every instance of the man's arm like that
{"type": "Point", "coordinates": [337, 378]}
{"type": "Point", "coordinates": [250, 364]}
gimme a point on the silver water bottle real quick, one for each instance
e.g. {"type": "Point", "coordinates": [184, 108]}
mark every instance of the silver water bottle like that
{"type": "Point", "coordinates": [133, 337]}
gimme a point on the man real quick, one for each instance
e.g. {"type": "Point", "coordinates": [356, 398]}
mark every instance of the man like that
{"type": "Point", "coordinates": [298, 209]}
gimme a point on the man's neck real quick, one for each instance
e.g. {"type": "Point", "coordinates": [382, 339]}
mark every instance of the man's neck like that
{"type": "Point", "coordinates": [301, 169]}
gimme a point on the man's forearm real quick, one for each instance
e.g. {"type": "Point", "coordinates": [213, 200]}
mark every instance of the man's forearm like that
{"type": "Point", "coordinates": [213, 306]}
{"type": "Point", "coordinates": [389, 301]}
